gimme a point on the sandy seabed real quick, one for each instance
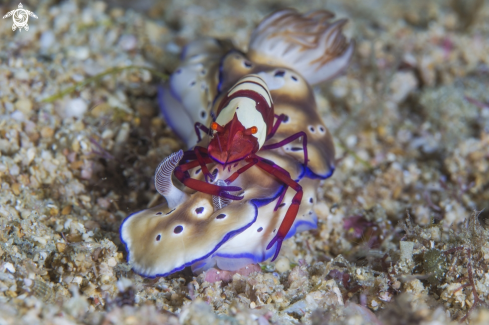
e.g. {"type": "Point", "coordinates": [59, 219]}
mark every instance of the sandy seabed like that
{"type": "Point", "coordinates": [400, 240]}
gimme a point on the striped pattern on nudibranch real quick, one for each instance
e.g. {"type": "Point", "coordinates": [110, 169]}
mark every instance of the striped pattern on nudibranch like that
{"type": "Point", "coordinates": [251, 101]}
{"type": "Point", "coordinates": [310, 43]}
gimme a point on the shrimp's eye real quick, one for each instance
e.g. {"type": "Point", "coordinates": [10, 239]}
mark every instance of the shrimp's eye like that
{"type": "Point", "coordinates": [251, 130]}
{"type": "Point", "coordinates": [216, 127]}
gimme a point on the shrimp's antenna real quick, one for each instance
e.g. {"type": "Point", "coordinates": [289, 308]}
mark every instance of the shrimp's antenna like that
{"type": "Point", "coordinates": [219, 142]}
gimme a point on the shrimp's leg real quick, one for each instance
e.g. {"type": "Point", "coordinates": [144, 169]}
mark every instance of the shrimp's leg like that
{"type": "Point", "coordinates": [289, 140]}
{"type": "Point", "coordinates": [182, 174]}
{"type": "Point", "coordinates": [291, 214]}
{"type": "Point", "coordinates": [200, 127]}
{"type": "Point", "coordinates": [280, 118]}
{"type": "Point", "coordinates": [198, 151]}
{"type": "Point", "coordinates": [251, 163]}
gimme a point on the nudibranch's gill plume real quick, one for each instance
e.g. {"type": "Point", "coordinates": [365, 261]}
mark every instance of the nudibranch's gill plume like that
{"type": "Point", "coordinates": [163, 182]}
{"type": "Point", "coordinates": [309, 43]}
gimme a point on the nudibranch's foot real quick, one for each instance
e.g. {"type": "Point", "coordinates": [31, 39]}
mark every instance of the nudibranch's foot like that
{"type": "Point", "coordinates": [215, 275]}
{"type": "Point", "coordinates": [276, 240]}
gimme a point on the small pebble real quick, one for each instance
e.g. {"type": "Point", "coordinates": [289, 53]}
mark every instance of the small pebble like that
{"type": "Point", "coordinates": [14, 170]}
{"type": "Point", "coordinates": [47, 40]}
{"type": "Point", "coordinates": [60, 247]}
{"type": "Point", "coordinates": [47, 132]}
{"type": "Point", "coordinates": [282, 264]}
{"type": "Point", "coordinates": [9, 267]}
{"type": "Point", "coordinates": [123, 134]}
{"type": "Point", "coordinates": [31, 154]}
{"type": "Point", "coordinates": [16, 188]}
{"type": "Point", "coordinates": [111, 262]}
{"type": "Point", "coordinates": [128, 42]}
{"type": "Point", "coordinates": [107, 134]}
{"type": "Point", "coordinates": [80, 53]}
{"type": "Point", "coordinates": [75, 108]}
{"type": "Point", "coordinates": [407, 250]}
{"type": "Point", "coordinates": [66, 210]}
{"type": "Point", "coordinates": [24, 105]}
{"type": "Point", "coordinates": [18, 116]}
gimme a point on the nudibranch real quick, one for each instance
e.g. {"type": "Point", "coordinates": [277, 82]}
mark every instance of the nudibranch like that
{"type": "Point", "coordinates": [259, 147]}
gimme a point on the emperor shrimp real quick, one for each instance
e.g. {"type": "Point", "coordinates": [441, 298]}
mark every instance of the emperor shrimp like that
{"type": "Point", "coordinates": [245, 120]}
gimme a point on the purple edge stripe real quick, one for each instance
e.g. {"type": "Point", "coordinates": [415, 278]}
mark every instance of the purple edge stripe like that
{"type": "Point", "coordinates": [269, 253]}
{"type": "Point", "coordinates": [305, 173]}
{"type": "Point", "coordinates": [310, 174]}
{"type": "Point", "coordinates": [255, 202]}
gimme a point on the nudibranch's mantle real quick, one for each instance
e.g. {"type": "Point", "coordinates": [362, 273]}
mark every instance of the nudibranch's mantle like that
{"type": "Point", "coordinates": [288, 52]}
{"type": "Point", "coordinates": [163, 240]}
{"type": "Point", "coordinates": [309, 43]}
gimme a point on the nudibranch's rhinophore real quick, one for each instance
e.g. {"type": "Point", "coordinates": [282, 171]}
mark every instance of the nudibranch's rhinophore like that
{"type": "Point", "coordinates": [260, 148]}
